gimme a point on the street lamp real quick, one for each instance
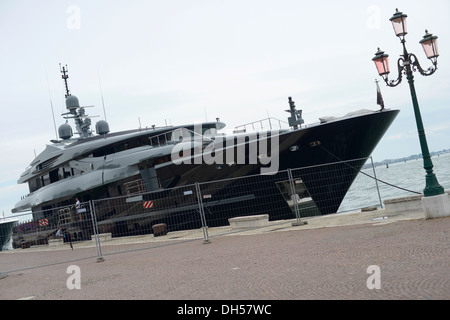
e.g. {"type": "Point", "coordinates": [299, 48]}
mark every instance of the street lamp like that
{"type": "Point", "coordinates": [399, 23]}
{"type": "Point", "coordinates": [407, 63]}
{"type": "Point", "coordinates": [429, 45]}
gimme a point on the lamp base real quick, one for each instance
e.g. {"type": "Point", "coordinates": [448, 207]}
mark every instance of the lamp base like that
{"type": "Point", "coordinates": [436, 206]}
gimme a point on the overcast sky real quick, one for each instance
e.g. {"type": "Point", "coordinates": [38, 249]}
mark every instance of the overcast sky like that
{"type": "Point", "coordinates": [187, 61]}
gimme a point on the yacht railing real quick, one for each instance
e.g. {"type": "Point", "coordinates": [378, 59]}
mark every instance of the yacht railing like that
{"type": "Point", "coordinates": [134, 187]}
{"type": "Point", "coordinates": [261, 125]}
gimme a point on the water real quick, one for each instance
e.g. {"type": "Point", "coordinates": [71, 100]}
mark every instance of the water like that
{"type": "Point", "coordinates": [408, 175]}
{"type": "Point", "coordinates": [25, 217]}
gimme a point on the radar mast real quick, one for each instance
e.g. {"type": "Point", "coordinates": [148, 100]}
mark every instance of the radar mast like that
{"type": "Point", "coordinates": [295, 120]}
{"type": "Point", "coordinates": [76, 112]}
{"type": "Point", "coordinates": [65, 76]}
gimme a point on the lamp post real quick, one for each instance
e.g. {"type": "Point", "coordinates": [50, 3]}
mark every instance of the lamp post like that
{"type": "Point", "coordinates": [406, 64]}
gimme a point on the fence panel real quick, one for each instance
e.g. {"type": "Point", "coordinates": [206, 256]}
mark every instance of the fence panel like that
{"type": "Point", "coordinates": [248, 196]}
{"type": "Point", "coordinates": [364, 192]}
{"type": "Point", "coordinates": [148, 220]}
{"type": "Point", "coordinates": [285, 196]}
{"type": "Point", "coordinates": [326, 185]}
{"type": "Point", "coordinates": [37, 242]}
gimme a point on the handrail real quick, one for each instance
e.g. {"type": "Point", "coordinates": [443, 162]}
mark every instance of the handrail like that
{"type": "Point", "coordinates": [244, 126]}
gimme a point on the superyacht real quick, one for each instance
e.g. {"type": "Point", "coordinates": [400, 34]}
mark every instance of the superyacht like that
{"type": "Point", "coordinates": [98, 164]}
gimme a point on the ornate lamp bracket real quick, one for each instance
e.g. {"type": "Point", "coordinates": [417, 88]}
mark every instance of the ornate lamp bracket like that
{"type": "Point", "coordinates": [416, 66]}
{"type": "Point", "coordinates": [400, 66]}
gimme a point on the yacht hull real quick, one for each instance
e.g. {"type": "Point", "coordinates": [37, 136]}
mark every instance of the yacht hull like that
{"type": "Point", "coordinates": [317, 155]}
{"type": "Point", "coordinates": [239, 189]}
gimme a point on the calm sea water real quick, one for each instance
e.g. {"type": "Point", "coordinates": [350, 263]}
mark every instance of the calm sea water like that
{"type": "Point", "coordinates": [408, 175]}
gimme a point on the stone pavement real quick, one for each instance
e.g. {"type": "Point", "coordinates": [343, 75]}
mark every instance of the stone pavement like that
{"type": "Point", "coordinates": [332, 257]}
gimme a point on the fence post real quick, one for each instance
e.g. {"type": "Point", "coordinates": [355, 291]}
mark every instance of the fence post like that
{"type": "Point", "coordinates": [202, 214]}
{"type": "Point", "coordinates": [294, 198]}
{"type": "Point", "coordinates": [4, 275]}
{"type": "Point", "coordinates": [95, 228]}
{"type": "Point", "coordinates": [376, 182]}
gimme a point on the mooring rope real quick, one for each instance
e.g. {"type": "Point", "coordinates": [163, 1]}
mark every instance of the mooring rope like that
{"type": "Point", "coordinates": [368, 175]}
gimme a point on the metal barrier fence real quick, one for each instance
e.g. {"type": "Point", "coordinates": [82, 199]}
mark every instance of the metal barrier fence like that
{"type": "Point", "coordinates": [186, 213]}
{"type": "Point", "coordinates": [52, 236]}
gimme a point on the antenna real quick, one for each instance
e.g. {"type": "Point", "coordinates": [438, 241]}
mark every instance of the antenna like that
{"type": "Point", "coordinates": [51, 105]}
{"type": "Point", "coordinates": [64, 71]}
{"type": "Point", "coordinates": [296, 115]}
{"type": "Point", "coordinates": [101, 93]}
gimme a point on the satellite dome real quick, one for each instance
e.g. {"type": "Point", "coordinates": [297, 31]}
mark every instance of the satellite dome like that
{"type": "Point", "coordinates": [65, 131]}
{"type": "Point", "coordinates": [72, 102]}
{"type": "Point", "coordinates": [102, 127]}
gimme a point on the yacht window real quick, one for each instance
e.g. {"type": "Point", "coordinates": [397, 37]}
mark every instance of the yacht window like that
{"type": "Point", "coordinates": [54, 175]}
{"type": "Point", "coordinates": [66, 172]}
{"type": "Point", "coordinates": [45, 179]}
{"type": "Point", "coordinates": [121, 146]}
{"type": "Point", "coordinates": [34, 184]}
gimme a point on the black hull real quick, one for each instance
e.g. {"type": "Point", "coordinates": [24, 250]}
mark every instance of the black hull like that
{"type": "Point", "coordinates": [352, 138]}
{"type": "Point", "coordinates": [320, 153]}
{"type": "Point", "coordinates": [322, 150]}
{"type": "Point", "coordinates": [320, 159]}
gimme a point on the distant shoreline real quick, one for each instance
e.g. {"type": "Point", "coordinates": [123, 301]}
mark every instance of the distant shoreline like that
{"type": "Point", "coordinates": [404, 159]}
